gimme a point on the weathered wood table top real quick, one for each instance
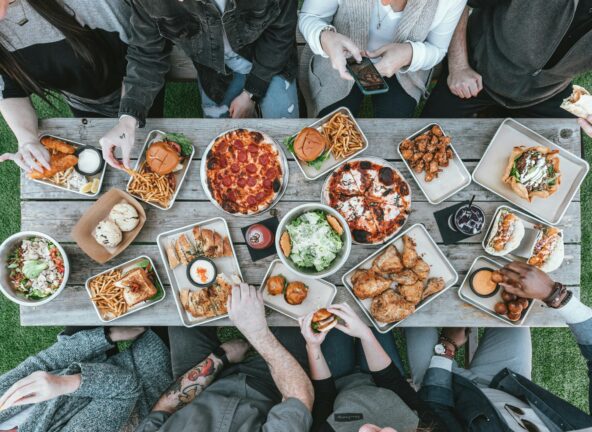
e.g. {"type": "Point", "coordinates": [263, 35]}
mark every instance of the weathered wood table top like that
{"type": "Point", "coordinates": [55, 212]}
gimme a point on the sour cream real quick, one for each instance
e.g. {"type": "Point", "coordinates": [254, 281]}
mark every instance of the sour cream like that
{"type": "Point", "coordinates": [89, 161]}
{"type": "Point", "coordinates": [201, 272]}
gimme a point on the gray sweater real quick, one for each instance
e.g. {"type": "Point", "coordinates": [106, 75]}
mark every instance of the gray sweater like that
{"type": "Point", "coordinates": [110, 390]}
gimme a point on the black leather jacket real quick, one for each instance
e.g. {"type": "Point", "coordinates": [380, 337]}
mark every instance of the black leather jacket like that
{"type": "Point", "coordinates": [262, 31]}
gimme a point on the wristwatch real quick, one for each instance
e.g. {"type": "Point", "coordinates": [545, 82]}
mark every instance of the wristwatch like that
{"type": "Point", "coordinates": [221, 354]}
{"type": "Point", "coordinates": [558, 297]}
{"type": "Point", "coordinates": [443, 350]}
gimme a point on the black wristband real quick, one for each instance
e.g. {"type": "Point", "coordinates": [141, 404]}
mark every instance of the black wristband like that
{"type": "Point", "coordinates": [557, 296]}
{"type": "Point", "coordinates": [221, 354]}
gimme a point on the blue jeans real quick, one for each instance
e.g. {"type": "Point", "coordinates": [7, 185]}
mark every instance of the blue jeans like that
{"type": "Point", "coordinates": [280, 101]}
{"type": "Point", "coordinates": [345, 355]}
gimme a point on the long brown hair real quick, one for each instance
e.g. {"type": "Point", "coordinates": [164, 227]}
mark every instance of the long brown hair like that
{"type": "Point", "coordinates": [87, 45]}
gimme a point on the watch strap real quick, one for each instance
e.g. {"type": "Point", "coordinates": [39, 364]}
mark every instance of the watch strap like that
{"type": "Point", "coordinates": [557, 296]}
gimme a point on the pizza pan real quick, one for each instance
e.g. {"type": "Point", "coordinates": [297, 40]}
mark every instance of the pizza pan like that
{"type": "Point", "coordinates": [283, 162]}
{"type": "Point", "coordinates": [320, 292]}
{"type": "Point", "coordinates": [178, 276]}
{"type": "Point", "coordinates": [100, 175]}
{"type": "Point", "coordinates": [490, 169]}
{"type": "Point", "coordinates": [428, 250]}
{"type": "Point", "coordinates": [486, 304]}
{"type": "Point", "coordinates": [153, 136]}
{"type": "Point", "coordinates": [310, 173]}
{"type": "Point", "coordinates": [453, 178]}
{"type": "Point", "coordinates": [325, 193]}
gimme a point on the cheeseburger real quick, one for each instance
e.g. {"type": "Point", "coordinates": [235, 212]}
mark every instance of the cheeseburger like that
{"type": "Point", "coordinates": [163, 157]}
{"type": "Point", "coordinates": [323, 321]}
{"type": "Point", "coordinates": [309, 144]}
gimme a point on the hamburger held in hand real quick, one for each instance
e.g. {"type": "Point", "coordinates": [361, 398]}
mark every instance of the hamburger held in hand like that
{"type": "Point", "coordinates": [323, 321]}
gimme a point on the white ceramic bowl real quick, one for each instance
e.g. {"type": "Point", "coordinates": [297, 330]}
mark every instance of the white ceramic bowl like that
{"type": "Point", "coordinates": [6, 248]}
{"type": "Point", "coordinates": [342, 256]}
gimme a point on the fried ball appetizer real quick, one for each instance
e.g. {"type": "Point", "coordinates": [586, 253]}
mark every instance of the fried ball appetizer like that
{"type": "Point", "coordinates": [501, 308]}
{"type": "Point", "coordinates": [390, 307]}
{"type": "Point", "coordinates": [276, 284]}
{"type": "Point", "coordinates": [295, 293]}
{"type": "Point", "coordinates": [367, 284]}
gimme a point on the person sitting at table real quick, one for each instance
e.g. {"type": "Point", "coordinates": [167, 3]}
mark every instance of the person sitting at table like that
{"type": "Point", "coordinates": [495, 392]}
{"type": "Point", "coordinates": [74, 48]}
{"type": "Point", "coordinates": [406, 39]}
{"type": "Point", "coordinates": [244, 53]}
{"type": "Point", "coordinates": [363, 376]}
{"type": "Point", "coordinates": [516, 58]}
{"type": "Point", "coordinates": [269, 392]}
{"type": "Point", "coordinates": [74, 385]}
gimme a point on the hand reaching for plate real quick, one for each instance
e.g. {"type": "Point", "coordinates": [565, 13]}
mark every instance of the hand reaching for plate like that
{"type": "Point", "coordinates": [123, 136]}
{"type": "Point", "coordinates": [31, 156]}
{"type": "Point", "coordinates": [526, 281]}
{"type": "Point", "coordinates": [246, 310]}
{"type": "Point", "coordinates": [352, 323]}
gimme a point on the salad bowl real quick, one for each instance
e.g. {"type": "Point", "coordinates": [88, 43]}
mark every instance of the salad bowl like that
{"type": "Point", "coordinates": [315, 234]}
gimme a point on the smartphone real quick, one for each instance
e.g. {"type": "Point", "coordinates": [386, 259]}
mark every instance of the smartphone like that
{"type": "Point", "coordinates": [366, 76]}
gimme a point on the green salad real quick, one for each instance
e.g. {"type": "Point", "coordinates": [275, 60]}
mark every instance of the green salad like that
{"type": "Point", "coordinates": [314, 243]}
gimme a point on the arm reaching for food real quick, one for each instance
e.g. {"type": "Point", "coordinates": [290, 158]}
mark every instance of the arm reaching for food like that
{"type": "Point", "coordinates": [22, 120]}
{"type": "Point", "coordinates": [122, 136]}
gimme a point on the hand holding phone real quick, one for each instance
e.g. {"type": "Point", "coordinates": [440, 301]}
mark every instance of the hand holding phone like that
{"type": "Point", "coordinates": [367, 76]}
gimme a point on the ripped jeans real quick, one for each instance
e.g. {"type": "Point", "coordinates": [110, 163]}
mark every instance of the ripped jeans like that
{"type": "Point", "coordinates": [280, 101]}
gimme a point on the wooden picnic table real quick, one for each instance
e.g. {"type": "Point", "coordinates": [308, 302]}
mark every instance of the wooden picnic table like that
{"type": "Point", "coordinates": [52, 211]}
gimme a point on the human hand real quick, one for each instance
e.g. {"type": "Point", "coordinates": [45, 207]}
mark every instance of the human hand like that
{"type": "Point", "coordinates": [373, 428]}
{"type": "Point", "coordinates": [123, 136]}
{"type": "Point", "coordinates": [527, 281]}
{"type": "Point", "coordinates": [586, 125]}
{"type": "Point", "coordinates": [312, 338]}
{"type": "Point", "coordinates": [242, 106]}
{"type": "Point", "coordinates": [246, 310]}
{"type": "Point", "coordinates": [120, 334]}
{"type": "Point", "coordinates": [38, 387]}
{"type": "Point", "coordinates": [31, 156]}
{"type": "Point", "coordinates": [464, 82]}
{"type": "Point", "coordinates": [394, 57]}
{"type": "Point", "coordinates": [235, 350]}
{"type": "Point", "coordinates": [339, 47]}
{"type": "Point", "coordinates": [456, 334]}
{"type": "Point", "coordinates": [353, 324]}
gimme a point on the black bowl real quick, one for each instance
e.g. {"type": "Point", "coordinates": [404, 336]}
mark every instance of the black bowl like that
{"type": "Point", "coordinates": [197, 284]}
{"type": "Point", "coordinates": [79, 150]}
{"type": "Point", "coordinates": [494, 292]}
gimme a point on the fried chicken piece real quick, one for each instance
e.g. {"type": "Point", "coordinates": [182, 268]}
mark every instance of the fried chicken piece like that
{"type": "Point", "coordinates": [418, 166]}
{"type": "Point", "coordinates": [388, 262]}
{"type": "Point", "coordinates": [389, 307]}
{"type": "Point", "coordinates": [434, 285]}
{"type": "Point", "coordinates": [367, 284]}
{"type": "Point", "coordinates": [58, 162]}
{"type": "Point", "coordinates": [405, 277]}
{"type": "Point", "coordinates": [406, 145]}
{"type": "Point", "coordinates": [413, 292]}
{"type": "Point", "coordinates": [421, 269]}
{"type": "Point", "coordinates": [409, 252]}
{"type": "Point", "coordinates": [407, 154]}
{"type": "Point", "coordinates": [436, 131]}
{"type": "Point", "coordinates": [60, 146]}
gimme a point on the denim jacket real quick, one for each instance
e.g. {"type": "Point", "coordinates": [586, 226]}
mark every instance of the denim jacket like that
{"type": "Point", "coordinates": [461, 405]}
{"type": "Point", "coordinates": [261, 31]}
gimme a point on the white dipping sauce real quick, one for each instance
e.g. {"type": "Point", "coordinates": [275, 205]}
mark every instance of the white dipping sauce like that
{"type": "Point", "coordinates": [202, 272]}
{"type": "Point", "coordinates": [89, 161]}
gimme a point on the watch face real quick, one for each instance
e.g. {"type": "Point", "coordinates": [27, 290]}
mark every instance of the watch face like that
{"type": "Point", "coordinates": [440, 349]}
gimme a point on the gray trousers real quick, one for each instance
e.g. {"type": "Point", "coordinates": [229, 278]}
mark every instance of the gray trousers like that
{"type": "Point", "coordinates": [499, 348]}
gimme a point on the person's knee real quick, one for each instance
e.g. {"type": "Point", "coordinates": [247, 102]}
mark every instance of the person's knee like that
{"type": "Point", "coordinates": [281, 99]}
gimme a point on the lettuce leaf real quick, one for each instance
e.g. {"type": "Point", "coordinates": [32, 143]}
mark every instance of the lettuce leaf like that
{"type": "Point", "coordinates": [184, 142]}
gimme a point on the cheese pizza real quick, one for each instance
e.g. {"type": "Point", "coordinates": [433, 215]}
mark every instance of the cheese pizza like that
{"type": "Point", "coordinates": [373, 198]}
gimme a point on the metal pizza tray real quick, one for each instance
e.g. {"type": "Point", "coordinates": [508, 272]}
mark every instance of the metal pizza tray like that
{"type": "Point", "coordinates": [283, 162]}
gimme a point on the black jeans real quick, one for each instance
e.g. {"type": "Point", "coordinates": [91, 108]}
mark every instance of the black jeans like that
{"type": "Point", "coordinates": [443, 104]}
{"type": "Point", "coordinates": [395, 103]}
{"type": "Point", "coordinates": [189, 346]}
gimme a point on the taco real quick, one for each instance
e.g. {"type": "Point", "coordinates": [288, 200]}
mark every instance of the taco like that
{"type": "Point", "coordinates": [506, 234]}
{"type": "Point", "coordinates": [579, 103]}
{"type": "Point", "coordinates": [548, 251]}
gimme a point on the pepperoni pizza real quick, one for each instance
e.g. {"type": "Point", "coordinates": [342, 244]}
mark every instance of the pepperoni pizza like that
{"type": "Point", "coordinates": [244, 171]}
{"type": "Point", "coordinates": [373, 198]}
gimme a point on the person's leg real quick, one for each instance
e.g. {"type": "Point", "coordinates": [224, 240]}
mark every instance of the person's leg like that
{"type": "Point", "coordinates": [163, 334]}
{"type": "Point", "coordinates": [189, 346]}
{"type": "Point", "coordinates": [549, 108]}
{"type": "Point", "coordinates": [281, 99]}
{"type": "Point", "coordinates": [387, 342]}
{"type": "Point", "coordinates": [420, 349]}
{"type": "Point", "coordinates": [212, 109]}
{"type": "Point", "coordinates": [339, 352]}
{"type": "Point", "coordinates": [501, 348]}
{"type": "Point", "coordinates": [353, 101]}
{"type": "Point", "coordinates": [395, 103]}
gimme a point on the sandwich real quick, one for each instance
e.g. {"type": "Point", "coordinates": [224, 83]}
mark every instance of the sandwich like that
{"type": "Point", "coordinates": [172, 255]}
{"type": "Point", "coordinates": [211, 244]}
{"type": "Point", "coordinates": [533, 172]}
{"type": "Point", "coordinates": [219, 293]}
{"type": "Point", "coordinates": [197, 303]}
{"type": "Point", "coordinates": [579, 103]}
{"type": "Point", "coordinates": [185, 250]}
{"type": "Point", "coordinates": [137, 287]}
{"type": "Point", "coordinates": [506, 234]}
{"type": "Point", "coordinates": [164, 157]}
{"type": "Point", "coordinates": [548, 251]}
{"type": "Point", "coordinates": [309, 145]}
{"type": "Point", "coordinates": [323, 321]}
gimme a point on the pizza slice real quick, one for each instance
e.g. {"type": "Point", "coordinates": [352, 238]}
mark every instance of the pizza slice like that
{"type": "Point", "coordinates": [359, 217]}
{"type": "Point", "coordinates": [368, 174]}
{"type": "Point", "coordinates": [346, 181]}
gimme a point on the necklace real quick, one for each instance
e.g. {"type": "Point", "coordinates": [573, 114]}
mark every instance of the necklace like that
{"type": "Point", "coordinates": [380, 18]}
{"type": "Point", "coordinates": [24, 20]}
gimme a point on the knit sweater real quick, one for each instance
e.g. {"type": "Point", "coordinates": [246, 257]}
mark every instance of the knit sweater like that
{"type": "Point", "coordinates": [110, 389]}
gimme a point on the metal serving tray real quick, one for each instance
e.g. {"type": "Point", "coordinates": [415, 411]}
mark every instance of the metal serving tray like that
{"type": "Point", "coordinates": [320, 292]}
{"type": "Point", "coordinates": [153, 136]}
{"type": "Point", "coordinates": [178, 277]}
{"type": "Point", "coordinates": [428, 250]}
{"type": "Point", "coordinates": [283, 162]}
{"type": "Point", "coordinates": [310, 173]}
{"type": "Point", "coordinates": [454, 178]}
{"type": "Point", "coordinates": [100, 175]}
{"type": "Point", "coordinates": [131, 264]}
{"type": "Point", "coordinates": [490, 169]}
{"type": "Point", "coordinates": [486, 304]}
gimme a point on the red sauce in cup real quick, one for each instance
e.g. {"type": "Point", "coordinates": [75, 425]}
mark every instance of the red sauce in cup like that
{"type": "Point", "coordinates": [259, 236]}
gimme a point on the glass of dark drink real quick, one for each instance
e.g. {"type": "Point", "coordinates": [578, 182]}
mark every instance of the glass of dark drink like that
{"type": "Point", "coordinates": [469, 219]}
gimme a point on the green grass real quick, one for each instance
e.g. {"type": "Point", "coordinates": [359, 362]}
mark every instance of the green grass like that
{"type": "Point", "coordinates": [558, 365]}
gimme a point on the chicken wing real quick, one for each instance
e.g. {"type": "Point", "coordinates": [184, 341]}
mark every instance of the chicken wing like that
{"type": "Point", "coordinates": [58, 162]}
{"type": "Point", "coordinates": [367, 284]}
{"type": "Point", "coordinates": [389, 261]}
{"type": "Point", "coordinates": [409, 252]}
{"type": "Point", "coordinates": [389, 307]}
{"type": "Point", "coordinates": [406, 277]}
{"type": "Point", "coordinates": [434, 285]}
{"type": "Point", "coordinates": [412, 293]}
{"type": "Point", "coordinates": [421, 269]}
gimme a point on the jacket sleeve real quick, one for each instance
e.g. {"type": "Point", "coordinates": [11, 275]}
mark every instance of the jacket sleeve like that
{"type": "Point", "coordinates": [273, 49]}
{"type": "Point", "coordinates": [325, 393]}
{"type": "Point", "coordinates": [289, 416]}
{"type": "Point", "coordinates": [148, 62]}
{"type": "Point", "coordinates": [105, 381]}
{"type": "Point", "coordinates": [79, 347]}
{"type": "Point", "coordinates": [153, 422]}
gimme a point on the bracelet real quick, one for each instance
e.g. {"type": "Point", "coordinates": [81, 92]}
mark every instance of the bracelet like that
{"type": "Point", "coordinates": [450, 341]}
{"type": "Point", "coordinates": [557, 296]}
{"type": "Point", "coordinates": [566, 299]}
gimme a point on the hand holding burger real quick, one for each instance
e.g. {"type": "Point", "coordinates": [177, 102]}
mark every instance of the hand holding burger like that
{"type": "Point", "coordinates": [352, 323]}
{"type": "Point", "coordinates": [315, 326]}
